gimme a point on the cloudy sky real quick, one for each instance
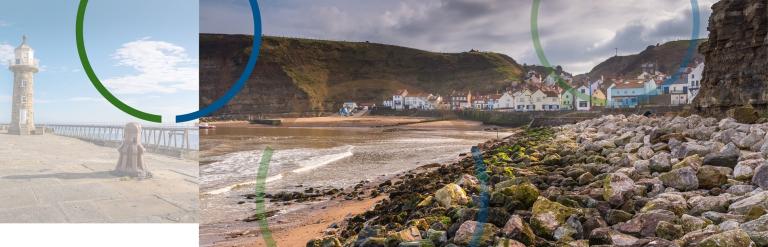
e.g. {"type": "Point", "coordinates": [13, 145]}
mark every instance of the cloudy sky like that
{"type": "Point", "coordinates": [577, 34]}
{"type": "Point", "coordinates": [145, 52]}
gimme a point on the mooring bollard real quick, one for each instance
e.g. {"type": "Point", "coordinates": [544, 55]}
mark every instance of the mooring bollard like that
{"type": "Point", "coordinates": [131, 161]}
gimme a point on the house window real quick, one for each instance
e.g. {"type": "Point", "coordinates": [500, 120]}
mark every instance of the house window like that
{"type": "Point", "coordinates": [23, 99]}
{"type": "Point", "coordinates": [23, 84]}
{"type": "Point", "coordinates": [582, 104]}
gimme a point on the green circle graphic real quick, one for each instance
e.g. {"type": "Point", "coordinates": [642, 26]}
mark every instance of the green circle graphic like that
{"type": "Point", "coordinates": [95, 79]}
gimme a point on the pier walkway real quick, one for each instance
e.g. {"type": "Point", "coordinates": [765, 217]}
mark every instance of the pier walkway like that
{"type": "Point", "coordinates": [57, 179]}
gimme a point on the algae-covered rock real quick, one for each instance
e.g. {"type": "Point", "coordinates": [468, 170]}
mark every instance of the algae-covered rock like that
{"type": "Point", "coordinates": [732, 238]}
{"type": "Point", "coordinates": [437, 237]}
{"type": "Point", "coordinates": [469, 229]}
{"type": "Point", "coordinates": [327, 241]}
{"type": "Point", "coordinates": [547, 216]}
{"type": "Point", "coordinates": [693, 161]}
{"type": "Point", "coordinates": [691, 223]}
{"type": "Point", "coordinates": [667, 201]}
{"type": "Point", "coordinates": [451, 195]}
{"type": "Point", "coordinates": [514, 197]}
{"type": "Point", "coordinates": [426, 202]}
{"type": "Point", "coordinates": [744, 114]}
{"type": "Point", "coordinates": [711, 177]}
{"type": "Point", "coordinates": [669, 231]}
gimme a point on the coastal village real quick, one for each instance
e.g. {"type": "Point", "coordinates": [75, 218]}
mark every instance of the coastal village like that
{"type": "Point", "coordinates": [564, 93]}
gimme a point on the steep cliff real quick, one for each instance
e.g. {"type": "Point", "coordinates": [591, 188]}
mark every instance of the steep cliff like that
{"type": "Point", "coordinates": [301, 75]}
{"type": "Point", "coordinates": [737, 56]}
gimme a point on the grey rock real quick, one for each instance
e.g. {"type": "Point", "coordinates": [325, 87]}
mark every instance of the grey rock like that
{"type": "Point", "coordinates": [660, 162]}
{"type": "Point", "coordinates": [743, 206]}
{"type": "Point", "coordinates": [683, 179]}
{"type": "Point", "coordinates": [760, 177]}
{"type": "Point", "coordinates": [701, 204]}
{"type": "Point", "coordinates": [745, 169]}
{"type": "Point", "coordinates": [740, 189]}
{"type": "Point", "coordinates": [728, 156]}
{"type": "Point", "coordinates": [644, 224]}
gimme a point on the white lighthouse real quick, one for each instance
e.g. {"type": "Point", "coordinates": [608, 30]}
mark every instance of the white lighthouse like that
{"type": "Point", "coordinates": [24, 66]}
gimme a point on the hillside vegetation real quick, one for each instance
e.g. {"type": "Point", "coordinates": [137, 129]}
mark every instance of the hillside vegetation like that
{"type": "Point", "coordinates": [668, 56]}
{"type": "Point", "coordinates": [302, 75]}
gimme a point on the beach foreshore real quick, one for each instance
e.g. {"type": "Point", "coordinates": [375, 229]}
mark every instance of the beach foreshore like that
{"type": "Point", "coordinates": [328, 213]}
{"type": "Point", "coordinates": [365, 121]}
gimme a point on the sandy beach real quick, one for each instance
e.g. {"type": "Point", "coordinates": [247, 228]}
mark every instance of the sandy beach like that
{"type": "Point", "coordinates": [308, 157]}
{"type": "Point", "coordinates": [365, 121]}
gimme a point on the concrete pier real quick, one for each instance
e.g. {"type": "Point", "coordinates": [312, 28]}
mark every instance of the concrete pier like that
{"type": "Point", "coordinates": [55, 179]}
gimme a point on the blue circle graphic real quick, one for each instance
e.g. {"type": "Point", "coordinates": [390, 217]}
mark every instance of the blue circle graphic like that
{"type": "Point", "coordinates": [235, 89]}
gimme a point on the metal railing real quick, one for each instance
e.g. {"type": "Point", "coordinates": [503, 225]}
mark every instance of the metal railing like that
{"type": "Point", "coordinates": [163, 140]}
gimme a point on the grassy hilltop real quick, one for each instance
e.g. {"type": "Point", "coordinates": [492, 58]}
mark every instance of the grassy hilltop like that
{"type": "Point", "coordinates": [301, 75]}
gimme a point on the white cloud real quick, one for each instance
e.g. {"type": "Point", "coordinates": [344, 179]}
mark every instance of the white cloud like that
{"type": "Point", "coordinates": [6, 53]}
{"type": "Point", "coordinates": [162, 68]}
{"type": "Point", "coordinates": [575, 34]}
{"type": "Point", "coordinates": [5, 98]}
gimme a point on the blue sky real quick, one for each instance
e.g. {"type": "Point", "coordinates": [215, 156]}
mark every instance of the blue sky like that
{"type": "Point", "coordinates": [146, 52]}
{"type": "Point", "coordinates": [575, 34]}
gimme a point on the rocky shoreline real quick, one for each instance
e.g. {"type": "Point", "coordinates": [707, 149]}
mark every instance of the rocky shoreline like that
{"type": "Point", "coordinates": [612, 181]}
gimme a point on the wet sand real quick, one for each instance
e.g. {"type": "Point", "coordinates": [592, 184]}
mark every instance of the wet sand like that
{"type": "Point", "coordinates": [337, 121]}
{"type": "Point", "coordinates": [379, 153]}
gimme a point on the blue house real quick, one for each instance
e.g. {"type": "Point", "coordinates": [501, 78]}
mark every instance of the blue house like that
{"type": "Point", "coordinates": [631, 93]}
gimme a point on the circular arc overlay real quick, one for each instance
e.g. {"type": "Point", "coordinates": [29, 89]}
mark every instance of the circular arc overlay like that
{"type": "Point", "coordinates": [696, 23]}
{"type": "Point", "coordinates": [231, 93]}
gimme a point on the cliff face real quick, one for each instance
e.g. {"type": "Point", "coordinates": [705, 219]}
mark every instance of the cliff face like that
{"type": "Point", "coordinates": [300, 75]}
{"type": "Point", "coordinates": [736, 72]}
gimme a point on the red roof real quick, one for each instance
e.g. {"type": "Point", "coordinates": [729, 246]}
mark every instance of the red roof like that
{"type": "Point", "coordinates": [629, 84]}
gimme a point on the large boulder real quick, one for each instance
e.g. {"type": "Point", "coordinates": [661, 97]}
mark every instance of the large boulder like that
{"type": "Point", "coordinates": [745, 169]}
{"type": "Point", "coordinates": [757, 230]}
{"type": "Point", "coordinates": [469, 230]}
{"type": "Point", "coordinates": [645, 152]}
{"type": "Point", "coordinates": [547, 216]}
{"type": "Point", "coordinates": [691, 223]}
{"type": "Point", "coordinates": [451, 195]}
{"type": "Point", "coordinates": [683, 179]}
{"type": "Point", "coordinates": [672, 202]}
{"type": "Point", "coordinates": [660, 162]}
{"type": "Point", "coordinates": [732, 238]}
{"type": "Point", "coordinates": [701, 204]}
{"type": "Point", "coordinates": [570, 231]}
{"type": "Point", "coordinates": [644, 224]}
{"type": "Point", "coordinates": [617, 187]}
{"type": "Point", "coordinates": [515, 197]}
{"type": "Point", "coordinates": [728, 156]}
{"type": "Point", "coordinates": [711, 177]}
{"type": "Point", "coordinates": [328, 241]}
{"type": "Point", "coordinates": [760, 178]}
{"type": "Point", "coordinates": [608, 236]}
{"type": "Point", "coordinates": [743, 206]}
{"type": "Point", "coordinates": [517, 229]}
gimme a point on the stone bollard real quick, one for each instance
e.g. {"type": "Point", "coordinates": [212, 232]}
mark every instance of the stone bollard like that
{"type": "Point", "coordinates": [131, 161]}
